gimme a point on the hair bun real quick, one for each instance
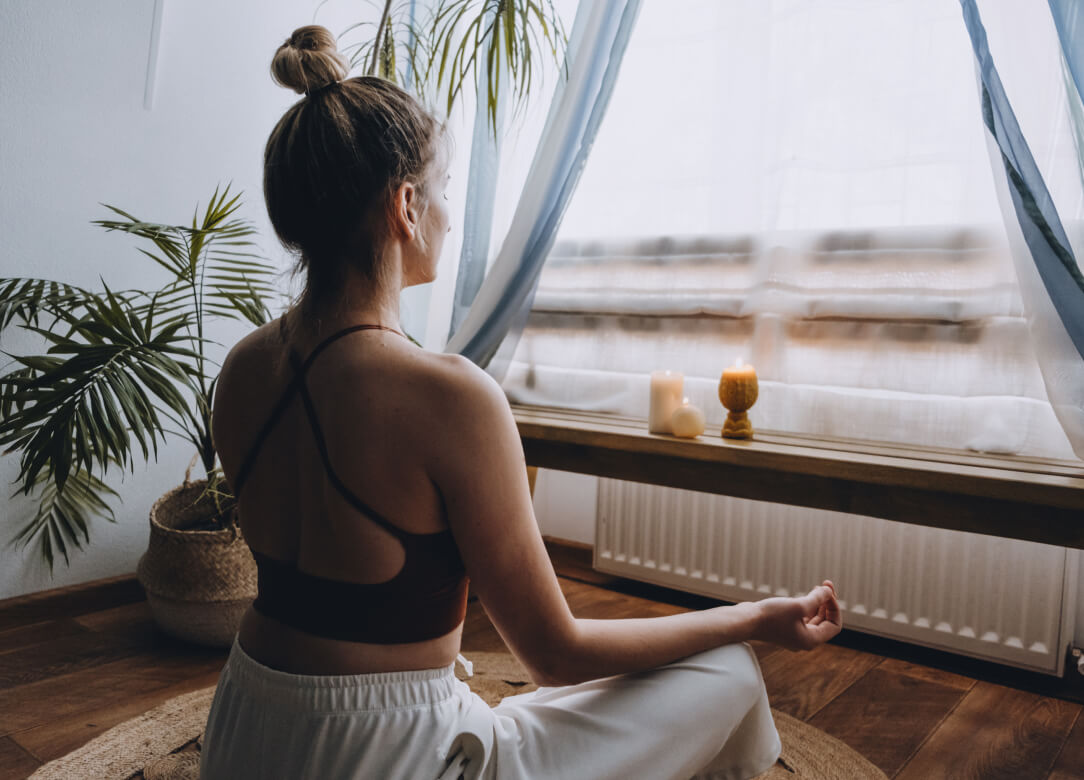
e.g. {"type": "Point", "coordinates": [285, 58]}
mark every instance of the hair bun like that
{"type": "Point", "coordinates": [309, 60]}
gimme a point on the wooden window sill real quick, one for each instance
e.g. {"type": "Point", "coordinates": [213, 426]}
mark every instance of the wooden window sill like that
{"type": "Point", "coordinates": [1033, 499]}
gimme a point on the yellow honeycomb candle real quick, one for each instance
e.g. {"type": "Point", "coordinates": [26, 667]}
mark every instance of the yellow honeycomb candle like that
{"type": "Point", "coordinates": [738, 392]}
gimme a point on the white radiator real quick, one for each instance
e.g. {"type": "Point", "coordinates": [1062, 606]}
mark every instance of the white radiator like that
{"type": "Point", "coordinates": [997, 599]}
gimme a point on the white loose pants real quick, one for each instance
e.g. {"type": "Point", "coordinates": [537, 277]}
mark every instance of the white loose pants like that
{"type": "Point", "coordinates": [704, 716]}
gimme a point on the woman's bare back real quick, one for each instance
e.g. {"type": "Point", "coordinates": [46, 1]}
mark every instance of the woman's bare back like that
{"type": "Point", "coordinates": [372, 392]}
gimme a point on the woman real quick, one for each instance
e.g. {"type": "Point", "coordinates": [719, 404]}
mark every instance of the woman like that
{"type": "Point", "coordinates": [373, 478]}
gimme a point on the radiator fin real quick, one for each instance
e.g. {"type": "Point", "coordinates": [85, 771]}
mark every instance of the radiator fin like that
{"type": "Point", "coordinates": [992, 598]}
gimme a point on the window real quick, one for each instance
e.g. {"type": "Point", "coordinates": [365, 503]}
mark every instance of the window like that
{"type": "Point", "coordinates": [806, 186]}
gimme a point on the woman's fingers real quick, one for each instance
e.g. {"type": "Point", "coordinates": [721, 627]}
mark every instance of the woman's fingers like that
{"type": "Point", "coordinates": [825, 630]}
{"type": "Point", "coordinates": [830, 608]}
{"type": "Point", "coordinates": [832, 612]}
{"type": "Point", "coordinates": [815, 599]}
{"type": "Point", "coordinates": [822, 614]}
{"type": "Point", "coordinates": [819, 614]}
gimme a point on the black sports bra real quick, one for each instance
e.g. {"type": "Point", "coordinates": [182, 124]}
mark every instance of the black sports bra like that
{"type": "Point", "coordinates": [425, 600]}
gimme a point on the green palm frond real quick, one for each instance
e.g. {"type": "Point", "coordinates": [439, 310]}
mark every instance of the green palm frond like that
{"type": "Point", "coordinates": [214, 267]}
{"type": "Point", "coordinates": [499, 35]}
{"type": "Point", "coordinates": [445, 50]}
{"type": "Point", "coordinates": [62, 518]}
{"type": "Point", "coordinates": [121, 371]}
{"type": "Point", "coordinates": [29, 300]}
{"type": "Point", "coordinates": [391, 47]}
{"type": "Point", "coordinates": [238, 284]}
{"type": "Point", "coordinates": [385, 66]}
{"type": "Point", "coordinates": [99, 389]}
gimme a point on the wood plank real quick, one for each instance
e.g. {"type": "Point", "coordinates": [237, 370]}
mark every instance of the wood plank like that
{"type": "Point", "coordinates": [568, 556]}
{"type": "Point", "coordinates": [1040, 465]}
{"type": "Point", "coordinates": [833, 685]}
{"type": "Point", "coordinates": [890, 711]}
{"type": "Point", "coordinates": [82, 651]}
{"type": "Point", "coordinates": [995, 732]}
{"type": "Point", "coordinates": [61, 736]}
{"type": "Point", "coordinates": [1025, 463]}
{"type": "Point", "coordinates": [117, 618]}
{"type": "Point", "coordinates": [944, 455]}
{"type": "Point", "coordinates": [999, 502]}
{"type": "Point", "coordinates": [558, 422]}
{"type": "Point", "coordinates": [48, 631]}
{"type": "Point", "coordinates": [15, 763]}
{"type": "Point", "coordinates": [69, 601]}
{"type": "Point", "coordinates": [806, 456]}
{"type": "Point", "coordinates": [801, 684]}
{"type": "Point", "coordinates": [1070, 762]}
{"type": "Point", "coordinates": [27, 706]}
{"type": "Point", "coordinates": [941, 677]}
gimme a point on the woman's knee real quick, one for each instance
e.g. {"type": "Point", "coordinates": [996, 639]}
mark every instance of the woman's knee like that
{"type": "Point", "coordinates": [732, 670]}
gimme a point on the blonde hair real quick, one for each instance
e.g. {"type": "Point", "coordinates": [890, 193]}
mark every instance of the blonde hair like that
{"type": "Point", "coordinates": [308, 61]}
{"type": "Point", "coordinates": [336, 156]}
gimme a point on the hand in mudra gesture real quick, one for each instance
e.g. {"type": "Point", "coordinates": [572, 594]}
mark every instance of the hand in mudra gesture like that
{"type": "Point", "coordinates": [803, 622]}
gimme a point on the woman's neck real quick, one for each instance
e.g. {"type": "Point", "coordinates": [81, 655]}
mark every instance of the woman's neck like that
{"type": "Point", "coordinates": [356, 301]}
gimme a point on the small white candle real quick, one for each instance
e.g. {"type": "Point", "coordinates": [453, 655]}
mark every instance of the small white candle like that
{"type": "Point", "coordinates": [687, 421]}
{"type": "Point", "coordinates": [666, 389]}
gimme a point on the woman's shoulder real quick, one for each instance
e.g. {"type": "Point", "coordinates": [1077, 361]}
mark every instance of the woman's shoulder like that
{"type": "Point", "coordinates": [455, 372]}
{"type": "Point", "coordinates": [448, 386]}
{"type": "Point", "coordinates": [252, 355]}
{"type": "Point", "coordinates": [440, 397]}
{"type": "Point", "coordinates": [459, 382]}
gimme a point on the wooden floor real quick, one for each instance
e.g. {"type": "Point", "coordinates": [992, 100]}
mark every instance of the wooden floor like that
{"type": "Point", "coordinates": [73, 669]}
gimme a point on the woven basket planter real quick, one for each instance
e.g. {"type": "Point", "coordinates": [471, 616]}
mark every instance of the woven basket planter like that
{"type": "Point", "coordinates": [198, 583]}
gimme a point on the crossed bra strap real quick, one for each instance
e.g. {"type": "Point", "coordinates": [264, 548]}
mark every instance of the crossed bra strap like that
{"type": "Point", "coordinates": [299, 385]}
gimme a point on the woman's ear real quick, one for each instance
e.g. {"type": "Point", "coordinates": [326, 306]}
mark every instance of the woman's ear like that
{"type": "Point", "coordinates": [405, 211]}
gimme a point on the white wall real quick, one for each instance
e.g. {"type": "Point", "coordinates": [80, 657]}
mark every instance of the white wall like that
{"type": "Point", "coordinates": [564, 505]}
{"type": "Point", "coordinates": [74, 133]}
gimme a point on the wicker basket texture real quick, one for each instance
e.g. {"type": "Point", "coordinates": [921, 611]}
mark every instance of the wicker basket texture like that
{"type": "Point", "coordinates": [199, 582]}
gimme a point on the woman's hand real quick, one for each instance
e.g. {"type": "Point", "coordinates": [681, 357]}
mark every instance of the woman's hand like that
{"type": "Point", "coordinates": [800, 623]}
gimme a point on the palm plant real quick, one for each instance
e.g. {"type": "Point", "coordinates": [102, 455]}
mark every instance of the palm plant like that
{"type": "Point", "coordinates": [446, 49]}
{"type": "Point", "coordinates": [123, 369]}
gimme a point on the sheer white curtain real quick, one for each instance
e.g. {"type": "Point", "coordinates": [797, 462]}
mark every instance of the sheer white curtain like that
{"type": "Point", "coordinates": [1036, 124]}
{"type": "Point", "coordinates": [805, 185]}
{"type": "Point", "coordinates": [593, 60]}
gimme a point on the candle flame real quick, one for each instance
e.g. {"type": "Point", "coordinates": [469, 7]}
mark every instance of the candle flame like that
{"type": "Point", "coordinates": [684, 401]}
{"type": "Point", "coordinates": [740, 363]}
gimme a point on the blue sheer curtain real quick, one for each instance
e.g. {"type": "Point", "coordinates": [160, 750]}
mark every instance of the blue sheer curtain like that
{"type": "Point", "coordinates": [485, 158]}
{"type": "Point", "coordinates": [1050, 276]}
{"type": "Point", "coordinates": [497, 313]}
{"type": "Point", "coordinates": [1069, 21]}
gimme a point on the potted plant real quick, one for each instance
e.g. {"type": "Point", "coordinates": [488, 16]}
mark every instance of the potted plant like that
{"type": "Point", "coordinates": [123, 371]}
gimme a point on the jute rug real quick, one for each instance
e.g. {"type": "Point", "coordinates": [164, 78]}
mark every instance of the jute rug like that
{"type": "Point", "coordinates": [163, 744]}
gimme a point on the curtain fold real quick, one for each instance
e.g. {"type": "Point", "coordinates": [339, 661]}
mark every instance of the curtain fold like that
{"type": "Point", "coordinates": [599, 36]}
{"type": "Point", "coordinates": [1069, 21]}
{"type": "Point", "coordinates": [485, 157]}
{"type": "Point", "coordinates": [1050, 277]}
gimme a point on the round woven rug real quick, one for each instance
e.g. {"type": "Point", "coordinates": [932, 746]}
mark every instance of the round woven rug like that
{"type": "Point", "coordinates": [163, 743]}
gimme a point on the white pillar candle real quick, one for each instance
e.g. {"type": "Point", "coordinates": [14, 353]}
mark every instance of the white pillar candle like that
{"type": "Point", "coordinates": [687, 421]}
{"type": "Point", "coordinates": [666, 390]}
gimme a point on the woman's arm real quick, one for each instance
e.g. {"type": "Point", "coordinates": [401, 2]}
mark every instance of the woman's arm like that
{"type": "Point", "coordinates": [478, 466]}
